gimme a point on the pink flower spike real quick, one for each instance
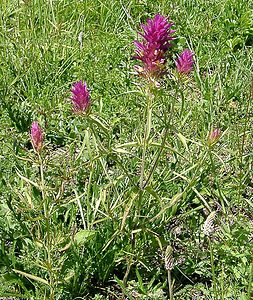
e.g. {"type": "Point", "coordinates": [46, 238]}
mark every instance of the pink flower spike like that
{"type": "Point", "coordinates": [184, 62]}
{"type": "Point", "coordinates": [151, 51]}
{"type": "Point", "coordinates": [214, 136]}
{"type": "Point", "coordinates": [80, 97]}
{"type": "Point", "coordinates": [36, 136]}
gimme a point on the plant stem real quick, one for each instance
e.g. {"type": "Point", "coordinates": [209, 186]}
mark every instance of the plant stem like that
{"type": "Point", "coordinates": [250, 281]}
{"type": "Point", "coordinates": [170, 285]}
{"type": "Point", "coordinates": [146, 136]}
{"type": "Point", "coordinates": [129, 264]}
{"type": "Point", "coordinates": [48, 232]}
{"type": "Point", "coordinates": [216, 181]}
{"type": "Point", "coordinates": [180, 89]}
{"type": "Point", "coordinates": [42, 178]}
{"type": "Point", "coordinates": [157, 158]}
{"type": "Point", "coordinates": [213, 269]}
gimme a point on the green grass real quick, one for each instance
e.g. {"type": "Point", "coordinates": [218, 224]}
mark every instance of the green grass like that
{"type": "Point", "coordinates": [116, 248]}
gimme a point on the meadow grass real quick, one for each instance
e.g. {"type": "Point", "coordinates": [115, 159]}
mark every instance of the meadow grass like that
{"type": "Point", "coordinates": [116, 207]}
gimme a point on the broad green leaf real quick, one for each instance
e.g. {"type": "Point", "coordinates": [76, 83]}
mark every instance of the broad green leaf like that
{"type": "Point", "coordinates": [84, 235]}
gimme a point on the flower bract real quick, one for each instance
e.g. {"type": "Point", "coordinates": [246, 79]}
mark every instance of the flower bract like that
{"type": "Point", "coordinates": [184, 62]}
{"type": "Point", "coordinates": [80, 97]}
{"type": "Point", "coordinates": [151, 51]}
{"type": "Point", "coordinates": [36, 136]}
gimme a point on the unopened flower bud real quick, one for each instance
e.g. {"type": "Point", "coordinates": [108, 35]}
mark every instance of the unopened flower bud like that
{"type": "Point", "coordinates": [36, 136]}
{"type": "Point", "coordinates": [214, 136]}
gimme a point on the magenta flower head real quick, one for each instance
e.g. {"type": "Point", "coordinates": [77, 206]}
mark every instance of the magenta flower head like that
{"type": "Point", "coordinates": [184, 62]}
{"type": "Point", "coordinates": [214, 136]}
{"type": "Point", "coordinates": [80, 97]}
{"type": "Point", "coordinates": [36, 136]}
{"type": "Point", "coordinates": [151, 51]}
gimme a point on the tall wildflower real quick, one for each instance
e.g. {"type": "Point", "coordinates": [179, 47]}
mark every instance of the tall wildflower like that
{"type": "Point", "coordinates": [80, 97]}
{"type": "Point", "coordinates": [151, 51]}
{"type": "Point", "coordinates": [184, 62]}
{"type": "Point", "coordinates": [36, 136]}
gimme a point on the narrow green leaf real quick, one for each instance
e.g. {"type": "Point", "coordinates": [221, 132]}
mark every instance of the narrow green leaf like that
{"type": "Point", "coordinates": [120, 150]}
{"type": "Point", "coordinates": [183, 140]}
{"type": "Point", "coordinates": [100, 124]}
{"type": "Point", "coordinates": [28, 180]}
{"type": "Point", "coordinates": [172, 202]}
{"type": "Point", "coordinates": [33, 277]}
{"type": "Point", "coordinates": [130, 144]}
{"type": "Point", "coordinates": [153, 193]}
{"type": "Point", "coordinates": [124, 290]}
{"type": "Point", "coordinates": [127, 210]}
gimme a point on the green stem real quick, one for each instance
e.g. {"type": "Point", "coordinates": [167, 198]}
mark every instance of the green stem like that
{"type": "Point", "coordinates": [129, 265]}
{"type": "Point", "coordinates": [48, 232]}
{"type": "Point", "coordinates": [145, 146]}
{"type": "Point", "coordinates": [213, 268]}
{"type": "Point", "coordinates": [216, 181]}
{"type": "Point", "coordinates": [181, 91]}
{"type": "Point", "coordinates": [250, 281]}
{"type": "Point", "coordinates": [241, 145]}
{"type": "Point", "coordinates": [157, 158]}
{"type": "Point", "coordinates": [168, 125]}
{"type": "Point", "coordinates": [42, 178]}
{"type": "Point", "coordinates": [146, 138]}
{"type": "Point", "coordinates": [170, 285]}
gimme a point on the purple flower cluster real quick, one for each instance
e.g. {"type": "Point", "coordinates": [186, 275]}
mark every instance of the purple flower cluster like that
{"type": "Point", "coordinates": [80, 97]}
{"type": "Point", "coordinates": [36, 136]}
{"type": "Point", "coordinates": [80, 101]}
{"type": "Point", "coordinates": [152, 50]}
{"type": "Point", "coordinates": [184, 62]}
